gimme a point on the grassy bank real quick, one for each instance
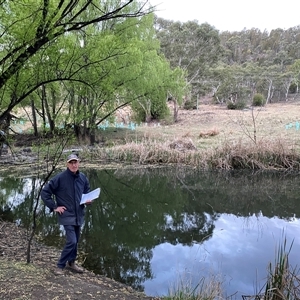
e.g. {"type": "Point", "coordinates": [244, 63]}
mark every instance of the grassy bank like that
{"type": "Point", "coordinates": [212, 137]}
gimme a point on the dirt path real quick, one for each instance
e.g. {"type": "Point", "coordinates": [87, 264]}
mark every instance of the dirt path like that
{"type": "Point", "coordinates": [35, 281]}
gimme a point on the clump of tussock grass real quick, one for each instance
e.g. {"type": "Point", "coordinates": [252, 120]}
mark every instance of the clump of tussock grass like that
{"type": "Point", "coordinates": [209, 133]}
{"type": "Point", "coordinates": [183, 145]}
{"type": "Point", "coordinates": [186, 135]}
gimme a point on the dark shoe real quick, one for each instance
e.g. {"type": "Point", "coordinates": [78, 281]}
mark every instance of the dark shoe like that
{"type": "Point", "coordinates": [59, 271]}
{"type": "Point", "coordinates": [73, 267]}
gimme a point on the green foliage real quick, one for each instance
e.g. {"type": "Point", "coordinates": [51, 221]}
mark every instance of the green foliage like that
{"type": "Point", "coordinates": [258, 100]}
{"type": "Point", "coordinates": [161, 83]}
{"type": "Point", "coordinates": [236, 105]}
{"type": "Point", "coordinates": [191, 46]}
{"type": "Point", "coordinates": [189, 104]}
{"type": "Point", "coordinates": [293, 88]}
{"type": "Point", "coordinates": [81, 78]}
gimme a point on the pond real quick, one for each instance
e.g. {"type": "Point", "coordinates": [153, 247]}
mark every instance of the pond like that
{"type": "Point", "coordinates": [152, 228]}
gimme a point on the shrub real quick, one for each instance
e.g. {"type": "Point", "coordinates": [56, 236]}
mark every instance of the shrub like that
{"type": "Point", "coordinates": [258, 100]}
{"type": "Point", "coordinates": [189, 105]}
{"type": "Point", "coordinates": [236, 105]}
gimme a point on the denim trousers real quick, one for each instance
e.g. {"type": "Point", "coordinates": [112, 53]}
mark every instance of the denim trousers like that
{"type": "Point", "coordinates": [69, 253]}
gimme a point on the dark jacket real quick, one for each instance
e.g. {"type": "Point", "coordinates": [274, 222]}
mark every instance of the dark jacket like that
{"type": "Point", "coordinates": [67, 188]}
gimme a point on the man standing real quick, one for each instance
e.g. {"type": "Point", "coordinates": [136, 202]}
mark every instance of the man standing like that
{"type": "Point", "coordinates": [67, 188]}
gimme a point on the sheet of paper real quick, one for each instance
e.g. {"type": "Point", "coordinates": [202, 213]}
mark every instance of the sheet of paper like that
{"type": "Point", "coordinates": [90, 196]}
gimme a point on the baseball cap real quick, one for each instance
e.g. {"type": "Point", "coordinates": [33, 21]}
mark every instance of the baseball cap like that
{"type": "Point", "coordinates": [72, 157]}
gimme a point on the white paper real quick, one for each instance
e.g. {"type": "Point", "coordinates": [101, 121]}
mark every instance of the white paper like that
{"type": "Point", "coordinates": [90, 196]}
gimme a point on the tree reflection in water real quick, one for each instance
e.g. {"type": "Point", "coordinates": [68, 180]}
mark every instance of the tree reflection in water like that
{"type": "Point", "coordinates": [140, 209]}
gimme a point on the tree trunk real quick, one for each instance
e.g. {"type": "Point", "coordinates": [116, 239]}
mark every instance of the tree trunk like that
{"type": "Point", "coordinates": [269, 91]}
{"type": "Point", "coordinates": [92, 137]}
{"type": "Point", "coordinates": [175, 108]}
{"type": "Point", "coordinates": [51, 121]}
{"type": "Point", "coordinates": [34, 121]}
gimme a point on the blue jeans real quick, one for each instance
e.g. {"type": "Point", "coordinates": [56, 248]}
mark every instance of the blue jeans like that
{"type": "Point", "coordinates": [69, 253]}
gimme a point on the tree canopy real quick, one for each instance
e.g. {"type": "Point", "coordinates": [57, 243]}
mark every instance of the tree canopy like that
{"type": "Point", "coordinates": [223, 64]}
{"type": "Point", "coordinates": [76, 62]}
{"type": "Point", "coordinates": [82, 57]}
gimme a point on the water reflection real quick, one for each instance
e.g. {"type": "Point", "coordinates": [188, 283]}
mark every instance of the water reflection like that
{"type": "Point", "coordinates": [237, 254]}
{"type": "Point", "coordinates": [151, 227]}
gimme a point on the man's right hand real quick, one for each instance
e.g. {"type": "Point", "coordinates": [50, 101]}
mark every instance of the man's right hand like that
{"type": "Point", "coordinates": [60, 209]}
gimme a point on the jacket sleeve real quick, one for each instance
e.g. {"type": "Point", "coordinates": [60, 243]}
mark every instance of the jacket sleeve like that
{"type": "Point", "coordinates": [47, 194]}
{"type": "Point", "coordinates": [87, 188]}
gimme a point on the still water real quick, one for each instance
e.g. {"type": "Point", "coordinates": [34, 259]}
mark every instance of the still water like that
{"type": "Point", "coordinates": [152, 228]}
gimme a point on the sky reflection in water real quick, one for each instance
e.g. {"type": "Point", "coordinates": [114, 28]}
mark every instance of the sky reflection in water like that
{"type": "Point", "coordinates": [176, 208]}
{"type": "Point", "coordinates": [240, 249]}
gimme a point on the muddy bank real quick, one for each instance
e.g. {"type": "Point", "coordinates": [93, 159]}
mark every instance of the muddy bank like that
{"type": "Point", "coordinates": [35, 281]}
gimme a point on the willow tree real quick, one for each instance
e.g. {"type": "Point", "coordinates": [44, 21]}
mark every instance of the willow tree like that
{"type": "Point", "coordinates": [27, 28]}
{"type": "Point", "coordinates": [101, 69]}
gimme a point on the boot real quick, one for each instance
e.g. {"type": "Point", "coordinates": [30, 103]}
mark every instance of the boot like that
{"type": "Point", "coordinates": [73, 267]}
{"type": "Point", "coordinates": [58, 271]}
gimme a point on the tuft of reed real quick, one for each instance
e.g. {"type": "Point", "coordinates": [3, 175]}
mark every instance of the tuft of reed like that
{"type": "Point", "coordinates": [282, 282]}
{"type": "Point", "coordinates": [262, 155]}
{"type": "Point", "coordinates": [206, 289]}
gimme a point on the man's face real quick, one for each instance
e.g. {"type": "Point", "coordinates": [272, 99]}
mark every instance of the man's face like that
{"type": "Point", "coordinates": [73, 165]}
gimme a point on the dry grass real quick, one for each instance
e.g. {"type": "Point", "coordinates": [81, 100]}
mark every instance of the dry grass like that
{"type": "Point", "coordinates": [215, 137]}
{"type": "Point", "coordinates": [210, 137]}
{"type": "Point", "coordinates": [224, 125]}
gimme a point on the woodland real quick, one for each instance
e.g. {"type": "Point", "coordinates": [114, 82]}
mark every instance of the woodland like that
{"type": "Point", "coordinates": [73, 64]}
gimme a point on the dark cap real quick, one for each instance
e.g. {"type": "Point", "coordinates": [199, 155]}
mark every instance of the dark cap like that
{"type": "Point", "coordinates": [72, 157]}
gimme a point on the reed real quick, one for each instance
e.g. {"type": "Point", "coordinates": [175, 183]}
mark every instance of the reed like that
{"type": "Point", "coordinates": [282, 282]}
{"type": "Point", "coordinates": [262, 155]}
{"type": "Point", "coordinates": [206, 289]}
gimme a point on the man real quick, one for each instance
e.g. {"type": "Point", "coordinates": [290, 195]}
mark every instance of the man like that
{"type": "Point", "coordinates": [68, 187]}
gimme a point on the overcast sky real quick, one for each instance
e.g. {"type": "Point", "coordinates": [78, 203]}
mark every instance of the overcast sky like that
{"type": "Point", "coordinates": [232, 15]}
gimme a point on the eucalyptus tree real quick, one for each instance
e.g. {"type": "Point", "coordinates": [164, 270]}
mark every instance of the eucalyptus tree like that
{"type": "Point", "coordinates": [193, 47]}
{"type": "Point", "coordinates": [295, 68]}
{"type": "Point", "coordinates": [27, 28]}
{"type": "Point", "coordinates": [286, 79]}
{"type": "Point", "coordinates": [230, 84]}
{"type": "Point", "coordinates": [268, 81]}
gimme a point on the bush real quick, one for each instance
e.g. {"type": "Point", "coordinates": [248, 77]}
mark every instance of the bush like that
{"type": "Point", "coordinates": [189, 105]}
{"type": "Point", "coordinates": [258, 100]}
{"type": "Point", "coordinates": [236, 105]}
